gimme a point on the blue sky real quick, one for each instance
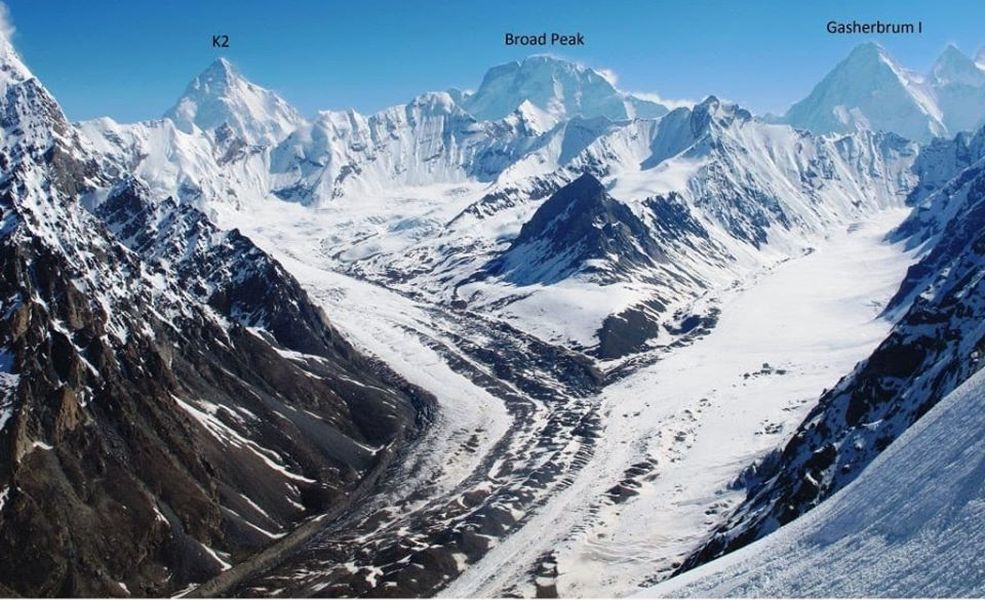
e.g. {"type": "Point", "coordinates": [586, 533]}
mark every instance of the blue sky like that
{"type": "Point", "coordinates": [132, 59]}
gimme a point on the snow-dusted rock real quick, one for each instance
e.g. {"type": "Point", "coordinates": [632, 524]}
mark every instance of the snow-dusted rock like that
{"type": "Point", "coordinates": [170, 399]}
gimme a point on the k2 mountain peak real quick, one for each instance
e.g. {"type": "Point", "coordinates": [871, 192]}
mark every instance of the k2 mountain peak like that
{"type": "Point", "coordinates": [220, 95]}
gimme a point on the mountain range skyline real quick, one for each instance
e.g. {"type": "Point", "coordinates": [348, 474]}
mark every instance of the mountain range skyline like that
{"type": "Point", "coordinates": [338, 58]}
{"type": "Point", "coordinates": [954, 84]}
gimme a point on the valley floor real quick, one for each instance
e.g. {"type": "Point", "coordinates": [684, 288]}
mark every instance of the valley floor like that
{"type": "Point", "coordinates": [529, 483]}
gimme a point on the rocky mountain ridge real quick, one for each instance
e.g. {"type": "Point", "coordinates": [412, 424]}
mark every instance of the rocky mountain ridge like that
{"type": "Point", "coordinates": [171, 399]}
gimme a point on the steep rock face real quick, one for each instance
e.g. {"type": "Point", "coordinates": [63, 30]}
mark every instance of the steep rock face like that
{"type": "Point", "coordinates": [939, 162]}
{"type": "Point", "coordinates": [170, 400]}
{"type": "Point", "coordinates": [221, 268]}
{"type": "Point", "coordinates": [579, 224]}
{"type": "Point", "coordinates": [937, 343]}
{"type": "Point", "coordinates": [227, 272]}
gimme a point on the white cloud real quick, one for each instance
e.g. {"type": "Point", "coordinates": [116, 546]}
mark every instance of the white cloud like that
{"type": "Point", "coordinates": [613, 78]}
{"type": "Point", "coordinates": [6, 25]}
{"type": "Point", "coordinates": [609, 75]}
{"type": "Point", "coordinates": [671, 104]}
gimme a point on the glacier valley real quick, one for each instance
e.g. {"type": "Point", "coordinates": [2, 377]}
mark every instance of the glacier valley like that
{"type": "Point", "coordinates": [545, 338]}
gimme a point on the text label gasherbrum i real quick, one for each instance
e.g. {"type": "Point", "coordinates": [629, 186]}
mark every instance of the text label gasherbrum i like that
{"type": "Point", "coordinates": [850, 27]}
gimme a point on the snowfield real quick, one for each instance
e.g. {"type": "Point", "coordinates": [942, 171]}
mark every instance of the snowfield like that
{"type": "Point", "coordinates": [910, 525]}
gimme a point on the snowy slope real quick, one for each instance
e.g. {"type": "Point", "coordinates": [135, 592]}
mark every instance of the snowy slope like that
{"type": "Point", "coordinates": [911, 525]}
{"type": "Point", "coordinates": [192, 167]}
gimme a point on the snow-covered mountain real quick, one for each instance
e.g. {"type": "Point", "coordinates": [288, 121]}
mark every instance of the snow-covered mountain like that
{"type": "Point", "coordinates": [228, 140]}
{"type": "Point", "coordinates": [577, 230]}
{"type": "Point", "coordinates": [430, 140]}
{"type": "Point", "coordinates": [937, 342]}
{"type": "Point", "coordinates": [224, 103]}
{"type": "Point", "coordinates": [959, 88]}
{"type": "Point", "coordinates": [870, 90]}
{"type": "Point", "coordinates": [554, 90]}
{"type": "Point", "coordinates": [909, 526]}
{"type": "Point", "coordinates": [170, 399]}
{"type": "Point", "coordinates": [337, 154]}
